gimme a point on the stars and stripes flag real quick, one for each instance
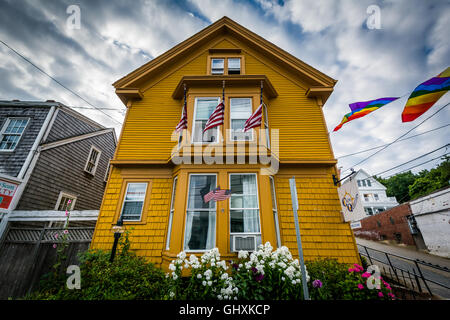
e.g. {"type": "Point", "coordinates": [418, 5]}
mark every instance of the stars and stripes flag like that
{"type": "Point", "coordinates": [254, 120]}
{"type": "Point", "coordinates": [183, 121]}
{"type": "Point", "coordinates": [217, 195]}
{"type": "Point", "coordinates": [216, 118]}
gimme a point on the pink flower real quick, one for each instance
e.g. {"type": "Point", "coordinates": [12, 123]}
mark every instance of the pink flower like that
{"type": "Point", "coordinates": [67, 213]}
{"type": "Point", "coordinates": [66, 231]}
{"type": "Point", "coordinates": [391, 295]}
{"type": "Point", "coordinates": [351, 269]}
{"type": "Point", "coordinates": [70, 201]}
{"type": "Point", "coordinates": [360, 286]}
{"type": "Point", "coordinates": [56, 236]}
{"type": "Point", "coordinates": [54, 246]}
{"type": "Point", "coordinates": [366, 275]}
{"type": "Point", "coordinates": [358, 267]}
{"type": "Point", "coordinates": [380, 294]}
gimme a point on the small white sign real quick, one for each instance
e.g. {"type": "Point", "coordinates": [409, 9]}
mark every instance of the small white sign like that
{"type": "Point", "coordinates": [355, 225]}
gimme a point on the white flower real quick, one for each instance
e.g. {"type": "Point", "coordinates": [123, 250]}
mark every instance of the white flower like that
{"type": "Point", "coordinates": [204, 283]}
{"type": "Point", "coordinates": [224, 276]}
{"type": "Point", "coordinates": [220, 297]}
{"type": "Point", "coordinates": [181, 255]}
{"type": "Point", "coordinates": [199, 276]}
{"type": "Point", "coordinates": [171, 294]}
{"type": "Point", "coordinates": [172, 267]}
{"type": "Point", "coordinates": [174, 276]}
{"type": "Point", "coordinates": [242, 254]}
{"type": "Point", "coordinates": [209, 283]}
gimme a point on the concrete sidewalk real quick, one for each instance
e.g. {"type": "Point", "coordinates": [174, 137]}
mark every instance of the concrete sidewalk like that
{"type": "Point", "coordinates": [407, 252]}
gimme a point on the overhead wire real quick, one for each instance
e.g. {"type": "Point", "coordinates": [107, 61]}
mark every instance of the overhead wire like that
{"type": "Point", "coordinates": [58, 82]}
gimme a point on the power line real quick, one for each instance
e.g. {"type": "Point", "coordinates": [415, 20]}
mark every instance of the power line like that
{"type": "Point", "coordinates": [417, 165]}
{"type": "Point", "coordinates": [448, 144]}
{"type": "Point", "coordinates": [364, 160]}
{"type": "Point", "coordinates": [362, 151]}
{"type": "Point", "coordinates": [62, 85]}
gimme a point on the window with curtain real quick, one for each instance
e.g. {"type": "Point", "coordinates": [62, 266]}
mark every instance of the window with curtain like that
{"type": "Point", "coordinates": [172, 203]}
{"type": "Point", "coordinates": [200, 229]}
{"type": "Point", "coordinates": [204, 107]}
{"type": "Point", "coordinates": [244, 208]}
{"type": "Point", "coordinates": [133, 202]}
{"type": "Point", "coordinates": [240, 111]}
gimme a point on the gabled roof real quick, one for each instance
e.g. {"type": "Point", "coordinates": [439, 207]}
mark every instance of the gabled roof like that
{"type": "Point", "coordinates": [320, 84]}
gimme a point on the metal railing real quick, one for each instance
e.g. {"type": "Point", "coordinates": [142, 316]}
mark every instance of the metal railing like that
{"type": "Point", "coordinates": [409, 275]}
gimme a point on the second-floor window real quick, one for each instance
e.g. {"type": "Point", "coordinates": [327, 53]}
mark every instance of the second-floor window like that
{"type": "Point", "coordinates": [204, 107]}
{"type": "Point", "coordinates": [65, 201]}
{"type": "Point", "coordinates": [217, 66]}
{"type": "Point", "coordinates": [92, 162]}
{"type": "Point", "coordinates": [240, 111]}
{"type": "Point", "coordinates": [11, 133]}
{"type": "Point", "coordinates": [234, 65]}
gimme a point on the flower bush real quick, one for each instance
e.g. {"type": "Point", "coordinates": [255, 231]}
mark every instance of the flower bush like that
{"type": "Point", "coordinates": [339, 282]}
{"type": "Point", "coordinates": [263, 274]}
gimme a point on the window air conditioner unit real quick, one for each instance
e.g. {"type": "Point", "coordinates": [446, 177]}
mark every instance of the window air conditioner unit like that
{"type": "Point", "coordinates": [243, 242]}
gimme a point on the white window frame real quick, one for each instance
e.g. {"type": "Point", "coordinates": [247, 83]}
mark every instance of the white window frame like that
{"type": "Point", "coordinates": [223, 69]}
{"type": "Point", "coordinates": [217, 135]}
{"type": "Point", "coordinates": [258, 234]}
{"type": "Point", "coordinates": [172, 209]}
{"type": "Point", "coordinates": [240, 64]}
{"type": "Point", "coordinates": [5, 126]}
{"type": "Point", "coordinates": [125, 200]}
{"type": "Point", "coordinates": [275, 210]}
{"type": "Point", "coordinates": [210, 210]}
{"type": "Point", "coordinates": [107, 171]}
{"type": "Point", "coordinates": [94, 169]}
{"type": "Point", "coordinates": [67, 195]}
{"type": "Point", "coordinates": [251, 131]}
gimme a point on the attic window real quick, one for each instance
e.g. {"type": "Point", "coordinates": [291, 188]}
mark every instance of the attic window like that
{"type": "Point", "coordinates": [92, 161]}
{"type": "Point", "coordinates": [234, 66]}
{"type": "Point", "coordinates": [217, 66]}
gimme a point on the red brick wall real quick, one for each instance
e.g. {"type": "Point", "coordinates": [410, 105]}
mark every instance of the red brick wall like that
{"type": "Point", "coordinates": [372, 231]}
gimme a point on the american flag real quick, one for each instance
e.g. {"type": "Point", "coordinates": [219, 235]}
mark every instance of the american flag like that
{"type": "Point", "coordinates": [183, 121]}
{"type": "Point", "coordinates": [217, 195]}
{"type": "Point", "coordinates": [216, 118]}
{"type": "Point", "coordinates": [254, 120]}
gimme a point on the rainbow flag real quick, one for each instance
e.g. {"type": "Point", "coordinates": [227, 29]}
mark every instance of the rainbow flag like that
{"type": "Point", "coordinates": [361, 109]}
{"type": "Point", "coordinates": [426, 95]}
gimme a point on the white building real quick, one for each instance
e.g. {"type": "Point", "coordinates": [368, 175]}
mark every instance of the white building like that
{"type": "Point", "coordinates": [432, 214]}
{"type": "Point", "coordinates": [372, 194]}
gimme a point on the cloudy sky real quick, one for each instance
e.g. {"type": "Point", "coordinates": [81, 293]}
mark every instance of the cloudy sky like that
{"type": "Point", "coordinates": [410, 45]}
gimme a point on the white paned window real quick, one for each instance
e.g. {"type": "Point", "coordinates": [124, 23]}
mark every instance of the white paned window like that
{"type": "Point", "coordinates": [204, 107]}
{"type": "Point", "coordinates": [92, 161]}
{"type": "Point", "coordinates": [66, 201]}
{"type": "Point", "coordinates": [200, 231]}
{"type": "Point", "coordinates": [234, 65]}
{"type": "Point", "coordinates": [172, 204]}
{"type": "Point", "coordinates": [240, 111]}
{"type": "Point", "coordinates": [11, 133]}
{"type": "Point", "coordinates": [244, 207]}
{"type": "Point", "coordinates": [133, 202]}
{"type": "Point", "coordinates": [217, 66]}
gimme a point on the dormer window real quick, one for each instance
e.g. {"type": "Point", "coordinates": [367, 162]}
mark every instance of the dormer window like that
{"type": "Point", "coordinates": [217, 66]}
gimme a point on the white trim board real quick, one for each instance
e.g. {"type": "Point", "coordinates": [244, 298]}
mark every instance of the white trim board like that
{"type": "Point", "coordinates": [74, 139]}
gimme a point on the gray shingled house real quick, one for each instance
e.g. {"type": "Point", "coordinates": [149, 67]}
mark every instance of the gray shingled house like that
{"type": "Point", "coordinates": [50, 154]}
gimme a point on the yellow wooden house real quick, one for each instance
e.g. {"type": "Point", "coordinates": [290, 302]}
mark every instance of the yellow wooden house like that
{"type": "Point", "coordinates": [158, 177]}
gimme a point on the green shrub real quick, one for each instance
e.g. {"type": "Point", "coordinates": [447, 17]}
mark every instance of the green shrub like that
{"type": "Point", "coordinates": [128, 277]}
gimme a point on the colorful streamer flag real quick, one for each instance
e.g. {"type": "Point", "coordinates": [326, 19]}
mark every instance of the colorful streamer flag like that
{"type": "Point", "coordinates": [254, 120]}
{"type": "Point", "coordinates": [216, 118]}
{"type": "Point", "coordinates": [361, 109]}
{"type": "Point", "coordinates": [217, 195]}
{"type": "Point", "coordinates": [183, 121]}
{"type": "Point", "coordinates": [426, 95]}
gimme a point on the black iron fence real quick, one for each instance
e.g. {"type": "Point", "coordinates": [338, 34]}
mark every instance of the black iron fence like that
{"type": "Point", "coordinates": [414, 274]}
